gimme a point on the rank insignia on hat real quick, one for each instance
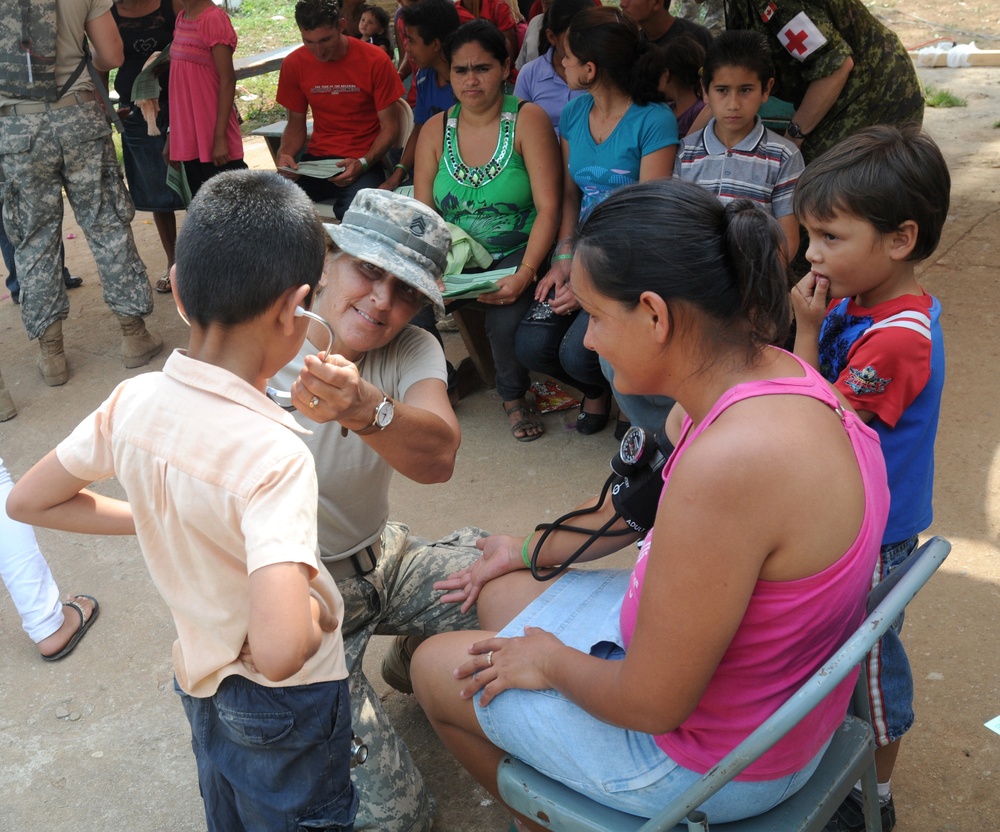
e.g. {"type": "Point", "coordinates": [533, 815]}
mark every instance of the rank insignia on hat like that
{"type": "Point", "coordinates": [801, 37]}
{"type": "Point", "coordinates": [768, 13]}
{"type": "Point", "coordinates": [418, 225]}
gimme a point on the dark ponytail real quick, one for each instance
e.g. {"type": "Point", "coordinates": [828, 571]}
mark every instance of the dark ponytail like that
{"type": "Point", "coordinates": [752, 245]}
{"type": "Point", "coordinates": [624, 58]}
{"type": "Point", "coordinates": [675, 239]}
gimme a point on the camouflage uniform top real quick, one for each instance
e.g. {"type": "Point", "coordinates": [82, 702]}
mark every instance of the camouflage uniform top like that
{"type": "Point", "coordinates": [72, 17]}
{"type": "Point", "coordinates": [882, 87]}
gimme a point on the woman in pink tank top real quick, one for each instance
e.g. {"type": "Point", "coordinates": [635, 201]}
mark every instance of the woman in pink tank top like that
{"type": "Point", "coordinates": [628, 685]}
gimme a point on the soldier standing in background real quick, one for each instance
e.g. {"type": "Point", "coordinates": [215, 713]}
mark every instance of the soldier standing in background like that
{"type": "Point", "coordinates": [53, 134]}
{"type": "Point", "coordinates": [840, 67]}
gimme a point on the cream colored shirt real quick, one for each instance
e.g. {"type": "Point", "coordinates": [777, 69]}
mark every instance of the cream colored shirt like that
{"type": "Point", "coordinates": [72, 17]}
{"type": "Point", "coordinates": [220, 485]}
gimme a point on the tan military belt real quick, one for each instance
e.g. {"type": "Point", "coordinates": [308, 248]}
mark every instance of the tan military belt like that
{"type": "Point", "coordinates": [360, 563]}
{"type": "Point", "coordinates": [32, 107]}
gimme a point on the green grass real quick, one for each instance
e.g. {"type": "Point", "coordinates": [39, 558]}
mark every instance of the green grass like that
{"type": "Point", "coordinates": [996, 125]}
{"type": "Point", "coordinates": [942, 98]}
{"type": "Point", "coordinates": [259, 32]}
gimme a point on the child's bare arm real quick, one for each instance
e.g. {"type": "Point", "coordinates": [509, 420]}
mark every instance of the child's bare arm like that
{"type": "Point", "coordinates": [50, 497]}
{"type": "Point", "coordinates": [286, 620]}
{"type": "Point", "coordinates": [222, 57]}
{"type": "Point", "coordinates": [809, 302]}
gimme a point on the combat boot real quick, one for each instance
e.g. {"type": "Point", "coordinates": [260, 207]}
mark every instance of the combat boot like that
{"type": "Point", "coordinates": [138, 343]}
{"type": "Point", "coordinates": [52, 361]}
{"type": "Point", "coordinates": [7, 409]}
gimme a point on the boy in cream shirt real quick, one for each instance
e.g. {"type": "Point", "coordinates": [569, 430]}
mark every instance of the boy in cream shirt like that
{"type": "Point", "coordinates": [222, 495]}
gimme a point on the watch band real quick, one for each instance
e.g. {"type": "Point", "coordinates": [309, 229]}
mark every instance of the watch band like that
{"type": "Point", "coordinates": [795, 131]}
{"type": "Point", "coordinates": [375, 426]}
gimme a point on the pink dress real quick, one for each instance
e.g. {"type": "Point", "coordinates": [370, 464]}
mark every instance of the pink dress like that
{"type": "Point", "coordinates": [194, 87]}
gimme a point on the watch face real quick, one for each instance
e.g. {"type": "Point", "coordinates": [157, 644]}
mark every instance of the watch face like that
{"type": "Point", "coordinates": [633, 444]}
{"type": "Point", "coordinates": [384, 414]}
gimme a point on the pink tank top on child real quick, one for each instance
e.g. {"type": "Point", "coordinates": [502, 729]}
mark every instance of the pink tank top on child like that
{"type": "Point", "coordinates": [790, 628]}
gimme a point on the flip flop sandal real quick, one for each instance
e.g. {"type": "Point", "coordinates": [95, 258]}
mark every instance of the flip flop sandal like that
{"type": "Point", "coordinates": [523, 424]}
{"type": "Point", "coordinates": [163, 285]}
{"type": "Point", "coordinates": [84, 626]}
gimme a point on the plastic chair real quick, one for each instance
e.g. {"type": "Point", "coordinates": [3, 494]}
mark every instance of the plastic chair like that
{"type": "Point", "coordinates": [849, 757]}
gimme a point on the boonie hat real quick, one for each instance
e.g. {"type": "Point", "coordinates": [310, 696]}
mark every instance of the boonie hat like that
{"type": "Point", "coordinates": [399, 234]}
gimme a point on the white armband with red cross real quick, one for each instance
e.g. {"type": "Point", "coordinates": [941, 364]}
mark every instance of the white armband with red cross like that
{"type": "Point", "coordinates": [801, 37]}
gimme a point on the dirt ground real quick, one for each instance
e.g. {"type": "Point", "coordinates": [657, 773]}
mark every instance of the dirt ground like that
{"type": "Point", "coordinates": [121, 758]}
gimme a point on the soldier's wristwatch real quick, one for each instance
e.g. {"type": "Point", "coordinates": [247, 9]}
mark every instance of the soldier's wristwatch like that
{"type": "Point", "coordinates": [794, 131]}
{"type": "Point", "coordinates": [384, 412]}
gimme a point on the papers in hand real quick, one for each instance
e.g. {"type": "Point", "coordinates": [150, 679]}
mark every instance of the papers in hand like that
{"type": "Point", "coordinates": [318, 168]}
{"type": "Point", "coordinates": [460, 286]}
{"type": "Point", "coordinates": [146, 86]}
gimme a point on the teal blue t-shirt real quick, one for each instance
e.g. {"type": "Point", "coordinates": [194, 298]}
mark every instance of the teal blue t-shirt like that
{"type": "Point", "coordinates": [600, 169]}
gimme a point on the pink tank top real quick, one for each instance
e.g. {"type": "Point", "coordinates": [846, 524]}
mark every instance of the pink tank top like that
{"type": "Point", "coordinates": [790, 628]}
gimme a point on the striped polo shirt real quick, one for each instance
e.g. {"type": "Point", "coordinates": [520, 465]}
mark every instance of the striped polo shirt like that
{"type": "Point", "coordinates": [764, 167]}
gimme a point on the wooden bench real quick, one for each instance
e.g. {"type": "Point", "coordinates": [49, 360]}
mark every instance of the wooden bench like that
{"type": "Point", "coordinates": [250, 66]}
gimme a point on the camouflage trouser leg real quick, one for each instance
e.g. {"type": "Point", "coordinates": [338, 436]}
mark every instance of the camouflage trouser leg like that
{"type": "Point", "coordinates": [397, 598]}
{"type": "Point", "coordinates": [40, 154]}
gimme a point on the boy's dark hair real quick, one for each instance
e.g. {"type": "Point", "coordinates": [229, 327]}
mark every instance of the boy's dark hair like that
{"type": "Point", "coordinates": [478, 31]}
{"type": "Point", "coordinates": [624, 58]}
{"type": "Point", "coordinates": [249, 236]}
{"type": "Point", "coordinates": [433, 19]}
{"type": "Point", "coordinates": [884, 175]}
{"type": "Point", "coordinates": [311, 14]}
{"type": "Point", "coordinates": [684, 57]}
{"type": "Point", "coordinates": [557, 19]}
{"type": "Point", "coordinates": [379, 14]}
{"type": "Point", "coordinates": [739, 47]}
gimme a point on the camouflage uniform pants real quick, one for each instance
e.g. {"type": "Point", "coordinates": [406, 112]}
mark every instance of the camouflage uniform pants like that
{"type": "Point", "coordinates": [40, 154]}
{"type": "Point", "coordinates": [397, 598]}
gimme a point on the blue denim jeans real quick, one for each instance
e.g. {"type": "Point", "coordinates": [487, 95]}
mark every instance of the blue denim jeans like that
{"type": "Point", "coordinates": [890, 680]}
{"type": "Point", "coordinates": [647, 412]}
{"type": "Point", "coordinates": [555, 347]}
{"type": "Point", "coordinates": [502, 324]}
{"type": "Point", "coordinates": [320, 189]}
{"type": "Point", "coordinates": [274, 759]}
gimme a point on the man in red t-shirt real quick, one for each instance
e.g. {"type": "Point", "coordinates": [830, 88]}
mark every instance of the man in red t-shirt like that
{"type": "Point", "coordinates": [350, 87]}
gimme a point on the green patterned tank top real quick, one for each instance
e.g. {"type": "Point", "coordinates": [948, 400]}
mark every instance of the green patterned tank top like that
{"type": "Point", "coordinates": [492, 202]}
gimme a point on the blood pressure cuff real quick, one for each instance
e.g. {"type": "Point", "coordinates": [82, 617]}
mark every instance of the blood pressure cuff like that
{"type": "Point", "coordinates": [636, 494]}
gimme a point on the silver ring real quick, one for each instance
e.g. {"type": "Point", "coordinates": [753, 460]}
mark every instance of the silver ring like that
{"type": "Point", "coordinates": [489, 659]}
{"type": "Point", "coordinates": [313, 401]}
{"type": "Point", "coordinates": [501, 301]}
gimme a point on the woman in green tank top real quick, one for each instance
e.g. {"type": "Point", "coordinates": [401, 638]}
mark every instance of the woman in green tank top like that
{"type": "Point", "coordinates": [493, 169]}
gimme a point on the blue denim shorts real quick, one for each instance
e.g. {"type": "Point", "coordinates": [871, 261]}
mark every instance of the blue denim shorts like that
{"type": "Point", "coordinates": [625, 770]}
{"type": "Point", "coordinates": [890, 680]}
{"type": "Point", "coordinates": [274, 758]}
